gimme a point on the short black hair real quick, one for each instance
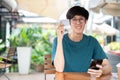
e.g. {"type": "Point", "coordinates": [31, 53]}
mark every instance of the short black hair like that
{"type": "Point", "coordinates": [77, 10]}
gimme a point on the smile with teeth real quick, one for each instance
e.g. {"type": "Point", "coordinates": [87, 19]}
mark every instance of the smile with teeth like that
{"type": "Point", "coordinates": [79, 27]}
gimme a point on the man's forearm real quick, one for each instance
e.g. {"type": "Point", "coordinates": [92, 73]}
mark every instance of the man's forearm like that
{"type": "Point", "coordinates": [59, 57]}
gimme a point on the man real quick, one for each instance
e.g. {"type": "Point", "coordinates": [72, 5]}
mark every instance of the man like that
{"type": "Point", "coordinates": [73, 52]}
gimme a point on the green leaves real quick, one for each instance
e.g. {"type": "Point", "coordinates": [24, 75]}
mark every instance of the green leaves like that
{"type": "Point", "coordinates": [2, 45]}
{"type": "Point", "coordinates": [24, 38]}
{"type": "Point", "coordinates": [36, 37]}
{"type": "Point", "coordinates": [114, 46]}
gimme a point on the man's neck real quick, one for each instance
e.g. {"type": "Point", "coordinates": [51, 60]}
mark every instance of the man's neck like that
{"type": "Point", "coordinates": [75, 37]}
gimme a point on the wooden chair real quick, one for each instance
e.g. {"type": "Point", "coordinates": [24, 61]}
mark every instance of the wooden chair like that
{"type": "Point", "coordinates": [7, 61]}
{"type": "Point", "coordinates": [48, 67]}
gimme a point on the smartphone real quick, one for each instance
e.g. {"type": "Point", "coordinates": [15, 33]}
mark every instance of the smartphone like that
{"type": "Point", "coordinates": [94, 63]}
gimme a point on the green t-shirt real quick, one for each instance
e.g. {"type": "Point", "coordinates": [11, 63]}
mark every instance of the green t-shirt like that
{"type": "Point", "coordinates": [78, 55]}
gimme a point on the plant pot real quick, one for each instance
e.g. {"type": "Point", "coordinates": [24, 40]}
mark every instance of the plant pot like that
{"type": "Point", "coordinates": [24, 59]}
{"type": "Point", "coordinates": [38, 67]}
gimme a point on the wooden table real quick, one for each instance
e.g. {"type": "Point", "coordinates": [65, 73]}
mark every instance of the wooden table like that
{"type": "Point", "coordinates": [82, 76]}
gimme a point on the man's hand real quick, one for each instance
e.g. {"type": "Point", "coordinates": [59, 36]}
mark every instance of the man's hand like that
{"type": "Point", "coordinates": [60, 31]}
{"type": "Point", "coordinates": [96, 73]}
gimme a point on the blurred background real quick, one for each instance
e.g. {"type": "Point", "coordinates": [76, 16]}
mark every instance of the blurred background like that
{"type": "Point", "coordinates": [33, 24]}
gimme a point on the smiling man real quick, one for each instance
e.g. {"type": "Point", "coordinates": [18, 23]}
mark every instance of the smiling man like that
{"type": "Point", "coordinates": [73, 52]}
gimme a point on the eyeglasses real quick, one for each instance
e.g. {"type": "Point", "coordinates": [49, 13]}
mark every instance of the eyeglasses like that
{"type": "Point", "coordinates": [81, 20]}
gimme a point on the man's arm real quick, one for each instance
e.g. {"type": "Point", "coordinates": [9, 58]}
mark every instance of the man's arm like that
{"type": "Point", "coordinates": [59, 56]}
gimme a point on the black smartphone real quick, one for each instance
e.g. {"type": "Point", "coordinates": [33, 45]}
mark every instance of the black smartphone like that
{"type": "Point", "coordinates": [94, 63]}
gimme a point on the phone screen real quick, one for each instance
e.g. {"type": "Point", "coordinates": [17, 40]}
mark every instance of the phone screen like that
{"type": "Point", "coordinates": [94, 63]}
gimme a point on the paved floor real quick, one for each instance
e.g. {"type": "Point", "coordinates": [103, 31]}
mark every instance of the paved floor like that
{"type": "Point", "coordinates": [37, 76]}
{"type": "Point", "coordinates": [33, 76]}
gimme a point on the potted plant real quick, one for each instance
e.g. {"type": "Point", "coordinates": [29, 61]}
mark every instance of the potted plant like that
{"type": "Point", "coordinates": [36, 37]}
{"type": "Point", "coordinates": [37, 58]}
{"type": "Point", "coordinates": [42, 46]}
{"type": "Point", "coordinates": [23, 40]}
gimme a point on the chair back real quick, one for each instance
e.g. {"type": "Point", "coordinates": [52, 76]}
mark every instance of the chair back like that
{"type": "Point", "coordinates": [7, 61]}
{"type": "Point", "coordinates": [11, 55]}
{"type": "Point", "coordinates": [11, 51]}
{"type": "Point", "coordinates": [48, 67]}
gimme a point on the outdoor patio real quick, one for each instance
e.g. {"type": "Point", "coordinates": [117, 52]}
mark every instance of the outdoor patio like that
{"type": "Point", "coordinates": [31, 15]}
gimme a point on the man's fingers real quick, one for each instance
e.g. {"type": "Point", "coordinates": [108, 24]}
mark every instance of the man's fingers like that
{"type": "Point", "coordinates": [99, 66]}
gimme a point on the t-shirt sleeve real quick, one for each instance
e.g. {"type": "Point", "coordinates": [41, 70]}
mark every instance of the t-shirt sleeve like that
{"type": "Point", "coordinates": [54, 49]}
{"type": "Point", "coordinates": [98, 52]}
